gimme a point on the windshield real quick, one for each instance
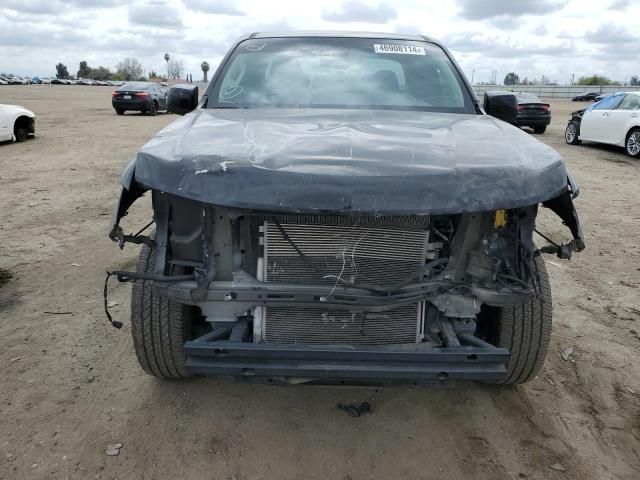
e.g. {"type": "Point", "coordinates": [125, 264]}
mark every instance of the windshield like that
{"type": "Point", "coordinates": [134, 86]}
{"type": "Point", "coordinates": [527, 98]}
{"type": "Point", "coordinates": [340, 73]}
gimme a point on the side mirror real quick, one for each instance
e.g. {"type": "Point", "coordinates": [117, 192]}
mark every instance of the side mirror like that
{"type": "Point", "coordinates": [502, 105]}
{"type": "Point", "coordinates": [182, 98]}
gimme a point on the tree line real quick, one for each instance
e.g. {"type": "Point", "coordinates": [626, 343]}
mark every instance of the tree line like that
{"type": "Point", "coordinates": [513, 78]}
{"type": "Point", "coordinates": [128, 69]}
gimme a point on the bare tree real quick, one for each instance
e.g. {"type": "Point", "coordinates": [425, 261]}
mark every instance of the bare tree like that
{"type": "Point", "coordinates": [175, 68]}
{"type": "Point", "coordinates": [129, 69]}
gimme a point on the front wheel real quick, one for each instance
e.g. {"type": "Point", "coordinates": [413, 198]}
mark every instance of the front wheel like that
{"type": "Point", "coordinates": [154, 109]}
{"type": "Point", "coordinates": [159, 327]}
{"type": "Point", "coordinates": [21, 134]}
{"type": "Point", "coordinates": [524, 330]}
{"type": "Point", "coordinates": [539, 130]}
{"type": "Point", "coordinates": [633, 143]}
{"type": "Point", "coordinates": [571, 133]}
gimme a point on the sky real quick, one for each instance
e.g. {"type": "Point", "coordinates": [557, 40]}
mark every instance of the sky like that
{"type": "Point", "coordinates": [555, 38]}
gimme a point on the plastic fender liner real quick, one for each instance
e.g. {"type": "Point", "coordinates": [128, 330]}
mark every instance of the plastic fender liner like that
{"type": "Point", "coordinates": [126, 199]}
{"type": "Point", "coordinates": [562, 205]}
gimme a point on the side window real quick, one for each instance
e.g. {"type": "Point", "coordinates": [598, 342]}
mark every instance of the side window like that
{"type": "Point", "coordinates": [630, 102]}
{"type": "Point", "coordinates": [608, 103]}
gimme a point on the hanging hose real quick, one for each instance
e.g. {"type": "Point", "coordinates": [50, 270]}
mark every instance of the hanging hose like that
{"type": "Point", "coordinates": [124, 276]}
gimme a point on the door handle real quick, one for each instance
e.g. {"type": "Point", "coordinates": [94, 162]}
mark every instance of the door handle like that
{"type": "Point", "coordinates": [634, 115]}
{"type": "Point", "coordinates": [605, 114]}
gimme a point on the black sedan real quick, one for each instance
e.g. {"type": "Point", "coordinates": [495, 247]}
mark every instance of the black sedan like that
{"type": "Point", "coordinates": [532, 112]}
{"type": "Point", "coordinates": [145, 97]}
{"type": "Point", "coordinates": [586, 97]}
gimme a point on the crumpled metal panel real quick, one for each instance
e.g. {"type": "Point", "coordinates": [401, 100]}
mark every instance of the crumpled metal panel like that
{"type": "Point", "coordinates": [378, 162]}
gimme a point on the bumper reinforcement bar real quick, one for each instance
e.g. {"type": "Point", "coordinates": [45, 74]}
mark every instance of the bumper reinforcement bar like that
{"type": "Point", "coordinates": [309, 363]}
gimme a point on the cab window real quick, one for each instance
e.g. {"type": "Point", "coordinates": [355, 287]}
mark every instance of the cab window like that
{"type": "Point", "coordinates": [608, 103]}
{"type": "Point", "coordinates": [630, 102]}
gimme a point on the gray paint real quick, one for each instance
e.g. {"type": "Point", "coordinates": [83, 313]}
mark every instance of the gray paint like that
{"type": "Point", "coordinates": [365, 161]}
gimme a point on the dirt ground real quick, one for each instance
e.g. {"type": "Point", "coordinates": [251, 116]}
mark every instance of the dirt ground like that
{"type": "Point", "coordinates": [70, 384]}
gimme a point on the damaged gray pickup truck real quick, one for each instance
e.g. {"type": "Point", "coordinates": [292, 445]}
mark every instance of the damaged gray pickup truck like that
{"type": "Point", "coordinates": [340, 208]}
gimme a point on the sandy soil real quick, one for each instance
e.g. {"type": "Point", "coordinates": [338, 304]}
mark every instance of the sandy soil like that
{"type": "Point", "coordinates": [70, 384]}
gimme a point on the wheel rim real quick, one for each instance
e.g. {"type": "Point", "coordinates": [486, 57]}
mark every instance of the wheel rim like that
{"type": "Point", "coordinates": [22, 135]}
{"type": "Point", "coordinates": [633, 144]}
{"type": "Point", "coordinates": [570, 133]}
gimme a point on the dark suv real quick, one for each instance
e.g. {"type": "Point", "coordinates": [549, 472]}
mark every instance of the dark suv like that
{"type": "Point", "coordinates": [340, 208]}
{"type": "Point", "coordinates": [145, 97]}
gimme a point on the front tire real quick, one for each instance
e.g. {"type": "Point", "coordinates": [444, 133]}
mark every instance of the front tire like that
{"type": "Point", "coordinates": [22, 134]}
{"type": "Point", "coordinates": [159, 327]}
{"type": "Point", "coordinates": [154, 109]}
{"type": "Point", "coordinates": [632, 145]}
{"type": "Point", "coordinates": [539, 130]}
{"type": "Point", "coordinates": [524, 330]}
{"type": "Point", "coordinates": [119, 111]}
{"type": "Point", "coordinates": [572, 133]}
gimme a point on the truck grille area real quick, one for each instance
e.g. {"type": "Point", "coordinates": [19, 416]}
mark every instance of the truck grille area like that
{"type": "Point", "coordinates": [368, 251]}
{"type": "Point", "coordinates": [315, 326]}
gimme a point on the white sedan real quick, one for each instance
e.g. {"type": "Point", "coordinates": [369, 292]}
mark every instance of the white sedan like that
{"type": "Point", "coordinates": [16, 123]}
{"type": "Point", "coordinates": [614, 120]}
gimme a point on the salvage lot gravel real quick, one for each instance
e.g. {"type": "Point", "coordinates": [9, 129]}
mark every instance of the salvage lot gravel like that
{"type": "Point", "coordinates": [71, 389]}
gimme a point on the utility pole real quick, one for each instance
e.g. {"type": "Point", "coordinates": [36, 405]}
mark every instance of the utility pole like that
{"type": "Point", "coordinates": [473, 72]}
{"type": "Point", "coordinates": [166, 59]}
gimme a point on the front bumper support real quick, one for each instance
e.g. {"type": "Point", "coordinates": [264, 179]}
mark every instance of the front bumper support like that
{"type": "Point", "coordinates": [308, 295]}
{"type": "Point", "coordinates": [344, 364]}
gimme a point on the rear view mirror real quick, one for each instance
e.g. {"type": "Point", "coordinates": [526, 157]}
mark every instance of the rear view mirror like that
{"type": "Point", "coordinates": [502, 105]}
{"type": "Point", "coordinates": [182, 98]}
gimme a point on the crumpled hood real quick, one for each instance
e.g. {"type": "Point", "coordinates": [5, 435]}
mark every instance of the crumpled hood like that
{"type": "Point", "coordinates": [377, 162]}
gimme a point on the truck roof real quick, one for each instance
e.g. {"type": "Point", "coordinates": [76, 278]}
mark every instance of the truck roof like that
{"type": "Point", "coordinates": [344, 34]}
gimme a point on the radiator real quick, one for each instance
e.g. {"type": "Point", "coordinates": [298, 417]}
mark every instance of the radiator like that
{"type": "Point", "coordinates": [368, 251]}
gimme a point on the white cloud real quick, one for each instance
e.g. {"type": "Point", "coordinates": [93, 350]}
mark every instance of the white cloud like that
{"type": "Point", "coordinates": [156, 14]}
{"type": "Point", "coordinates": [217, 7]}
{"type": "Point", "coordinates": [621, 4]}
{"type": "Point", "coordinates": [358, 11]}
{"type": "Point", "coordinates": [478, 10]}
{"type": "Point", "coordinates": [532, 38]}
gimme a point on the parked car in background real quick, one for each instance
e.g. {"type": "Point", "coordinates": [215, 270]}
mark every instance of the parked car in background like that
{"type": "Point", "coordinates": [11, 80]}
{"type": "Point", "coordinates": [586, 97]}
{"type": "Point", "coordinates": [532, 112]}
{"type": "Point", "coordinates": [614, 120]}
{"type": "Point", "coordinates": [601, 96]}
{"type": "Point", "coordinates": [3, 81]}
{"type": "Point", "coordinates": [145, 97]}
{"type": "Point", "coordinates": [16, 123]}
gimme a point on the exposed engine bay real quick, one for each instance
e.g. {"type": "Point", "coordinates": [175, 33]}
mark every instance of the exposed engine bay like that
{"type": "Point", "coordinates": [342, 279]}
